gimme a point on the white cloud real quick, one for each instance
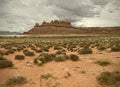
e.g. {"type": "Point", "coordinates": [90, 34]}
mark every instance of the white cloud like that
{"type": "Point", "coordinates": [21, 15]}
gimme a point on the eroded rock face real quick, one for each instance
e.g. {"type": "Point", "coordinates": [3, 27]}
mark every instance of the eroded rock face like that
{"type": "Point", "coordinates": [64, 27]}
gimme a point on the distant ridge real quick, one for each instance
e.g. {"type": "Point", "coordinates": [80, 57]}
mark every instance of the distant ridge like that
{"type": "Point", "coordinates": [64, 27]}
{"type": "Point", "coordinates": [8, 33]}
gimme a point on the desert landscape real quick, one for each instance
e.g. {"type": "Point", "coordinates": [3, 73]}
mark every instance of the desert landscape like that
{"type": "Point", "coordinates": [59, 43]}
{"type": "Point", "coordinates": [60, 61]}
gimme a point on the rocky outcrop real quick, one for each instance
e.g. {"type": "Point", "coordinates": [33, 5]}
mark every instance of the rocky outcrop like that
{"type": "Point", "coordinates": [64, 27]}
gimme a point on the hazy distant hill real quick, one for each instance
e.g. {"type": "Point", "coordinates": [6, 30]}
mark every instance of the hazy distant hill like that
{"type": "Point", "coordinates": [8, 33]}
{"type": "Point", "coordinates": [63, 27]}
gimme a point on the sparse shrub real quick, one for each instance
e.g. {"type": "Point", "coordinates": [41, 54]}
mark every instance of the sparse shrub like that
{"type": "Point", "coordinates": [38, 50]}
{"type": "Point", "coordinates": [4, 63]}
{"type": "Point", "coordinates": [45, 49]}
{"type": "Point", "coordinates": [101, 48]}
{"type": "Point", "coordinates": [115, 48]}
{"type": "Point", "coordinates": [108, 78]}
{"type": "Point", "coordinates": [10, 51]}
{"type": "Point", "coordinates": [103, 62]}
{"type": "Point", "coordinates": [28, 53]}
{"type": "Point", "coordinates": [74, 57]}
{"type": "Point", "coordinates": [1, 53]}
{"type": "Point", "coordinates": [1, 58]}
{"type": "Point", "coordinates": [43, 58]}
{"type": "Point", "coordinates": [61, 57]}
{"type": "Point", "coordinates": [19, 57]}
{"type": "Point", "coordinates": [47, 75]}
{"type": "Point", "coordinates": [6, 53]}
{"type": "Point", "coordinates": [85, 50]}
{"type": "Point", "coordinates": [83, 71]}
{"type": "Point", "coordinates": [58, 52]}
{"type": "Point", "coordinates": [57, 48]}
{"type": "Point", "coordinates": [16, 80]}
{"type": "Point", "coordinates": [19, 48]}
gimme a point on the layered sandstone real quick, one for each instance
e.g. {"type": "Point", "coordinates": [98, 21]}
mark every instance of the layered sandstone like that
{"type": "Point", "coordinates": [64, 27]}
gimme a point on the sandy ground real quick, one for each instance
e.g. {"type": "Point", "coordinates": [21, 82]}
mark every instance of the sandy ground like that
{"type": "Point", "coordinates": [87, 63]}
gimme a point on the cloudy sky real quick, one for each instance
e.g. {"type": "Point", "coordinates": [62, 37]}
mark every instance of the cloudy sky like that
{"type": "Point", "coordinates": [21, 15]}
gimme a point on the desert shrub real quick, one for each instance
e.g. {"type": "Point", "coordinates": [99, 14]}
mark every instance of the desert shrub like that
{"type": "Point", "coordinates": [108, 78]}
{"type": "Point", "coordinates": [57, 48]}
{"type": "Point", "coordinates": [10, 51]}
{"type": "Point", "coordinates": [4, 63]}
{"type": "Point", "coordinates": [74, 57]}
{"type": "Point", "coordinates": [103, 62]}
{"type": "Point", "coordinates": [38, 50]}
{"type": "Point", "coordinates": [43, 58]}
{"type": "Point", "coordinates": [58, 52]}
{"type": "Point", "coordinates": [1, 53]}
{"type": "Point", "coordinates": [46, 75]}
{"type": "Point", "coordinates": [85, 50]}
{"type": "Point", "coordinates": [45, 49]}
{"type": "Point", "coordinates": [1, 58]}
{"type": "Point", "coordinates": [101, 48]}
{"type": "Point", "coordinates": [28, 53]}
{"type": "Point", "coordinates": [19, 48]}
{"type": "Point", "coordinates": [19, 57]}
{"type": "Point", "coordinates": [6, 53]}
{"type": "Point", "coordinates": [61, 57]}
{"type": "Point", "coordinates": [16, 80]}
{"type": "Point", "coordinates": [115, 48]}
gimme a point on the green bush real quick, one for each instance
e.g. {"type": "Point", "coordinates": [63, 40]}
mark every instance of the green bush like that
{"type": "Point", "coordinates": [1, 58]}
{"type": "Point", "coordinates": [28, 53]}
{"type": "Point", "coordinates": [19, 48]}
{"type": "Point", "coordinates": [10, 51]}
{"type": "Point", "coordinates": [19, 57]}
{"type": "Point", "coordinates": [1, 53]}
{"type": "Point", "coordinates": [85, 51]}
{"type": "Point", "coordinates": [74, 57]}
{"type": "Point", "coordinates": [108, 78]}
{"type": "Point", "coordinates": [16, 80]}
{"type": "Point", "coordinates": [43, 58]}
{"type": "Point", "coordinates": [58, 52]}
{"type": "Point", "coordinates": [4, 63]}
{"type": "Point", "coordinates": [61, 57]}
{"type": "Point", "coordinates": [101, 48]}
{"type": "Point", "coordinates": [38, 50]}
{"type": "Point", "coordinates": [46, 75]}
{"type": "Point", "coordinates": [115, 48]}
{"type": "Point", "coordinates": [103, 62]}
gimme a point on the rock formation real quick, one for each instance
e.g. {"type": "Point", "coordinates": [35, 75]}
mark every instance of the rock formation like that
{"type": "Point", "coordinates": [64, 27]}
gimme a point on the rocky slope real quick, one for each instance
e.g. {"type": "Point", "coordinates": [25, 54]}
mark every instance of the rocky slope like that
{"type": "Point", "coordinates": [64, 27]}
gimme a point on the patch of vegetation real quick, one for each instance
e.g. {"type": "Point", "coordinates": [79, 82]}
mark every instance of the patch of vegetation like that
{"type": "Point", "coordinates": [38, 50]}
{"type": "Point", "coordinates": [108, 78]}
{"type": "Point", "coordinates": [28, 53]}
{"type": "Point", "coordinates": [101, 48]}
{"type": "Point", "coordinates": [10, 51]}
{"type": "Point", "coordinates": [83, 71]}
{"type": "Point", "coordinates": [16, 80]}
{"type": "Point", "coordinates": [46, 75]}
{"type": "Point", "coordinates": [4, 63]}
{"type": "Point", "coordinates": [61, 57]}
{"type": "Point", "coordinates": [43, 58]}
{"type": "Point", "coordinates": [19, 57]}
{"type": "Point", "coordinates": [19, 48]}
{"type": "Point", "coordinates": [74, 57]}
{"type": "Point", "coordinates": [85, 50]}
{"type": "Point", "coordinates": [103, 62]}
{"type": "Point", "coordinates": [115, 48]}
{"type": "Point", "coordinates": [67, 73]}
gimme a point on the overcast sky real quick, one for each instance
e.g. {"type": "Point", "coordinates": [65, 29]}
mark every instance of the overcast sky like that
{"type": "Point", "coordinates": [21, 15]}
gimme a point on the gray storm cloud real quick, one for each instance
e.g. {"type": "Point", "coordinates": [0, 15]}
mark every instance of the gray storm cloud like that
{"type": "Point", "coordinates": [21, 15]}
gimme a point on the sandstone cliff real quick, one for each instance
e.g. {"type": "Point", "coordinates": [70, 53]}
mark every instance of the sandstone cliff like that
{"type": "Point", "coordinates": [64, 27]}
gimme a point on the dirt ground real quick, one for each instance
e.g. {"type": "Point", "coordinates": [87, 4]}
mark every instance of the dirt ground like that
{"type": "Point", "coordinates": [82, 73]}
